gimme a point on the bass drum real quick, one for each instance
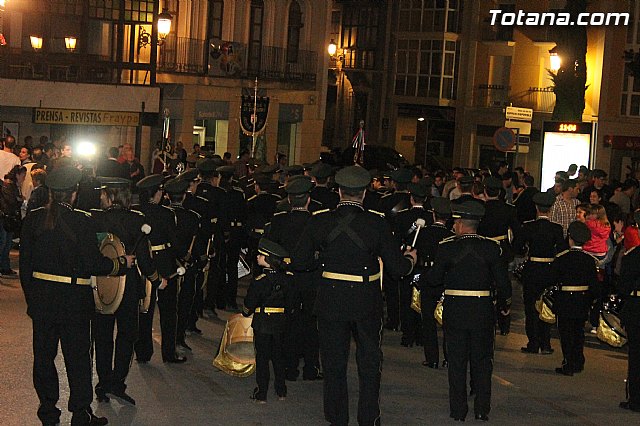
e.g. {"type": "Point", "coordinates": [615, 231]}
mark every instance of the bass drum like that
{"type": "Point", "coordinates": [108, 290]}
{"type": "Point", "coordinates": [610, 330]}
{"type": "Point", "coordinates": [146, 301]}
{"type": "Point", "coordinates": [236, 354]}
{"type": "Point", "coordinates": [544, 305]}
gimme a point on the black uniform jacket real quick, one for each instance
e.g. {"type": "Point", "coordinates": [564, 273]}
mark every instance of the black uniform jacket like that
{"type": "Point", "coordinates": [470, 262]}
{"type": "Point", "coordinates": [162, 237]}
{"type": "Point", "coordinates": [541, 239]}
{"type": "Point", "coordinates": [126, 225]}
{"type": "Point", "coordinates": [404, 221]}
{"type": "Point", "coordinates": [630, 282]}
{"type": "Point", "coordinates": [70, 249]}
{"type": "Point", "coordinates": [325, 196]}
{"type": "Point", "coordinates": [260, 209]}
{"type": "Point", "coordinates": [200, 205]}
{"type": "Point", "coordinates": [236, 210]}
{"type": "Point", "coordinates": [188, 229]}
{"type": "Point", "coordinates": [390, 204]}
{"type": "Point", "coordinates": [351, 248]}
{"type": "Point", "coordinates": [427, 245]}
{"type": "Point", "coordinates": [216, 197]}
{"type": "Point", "coordinates": [498, 218]}
{"type": "Point", "coordinates": [574, 267]}
{"type": "Point", "coordinates": [269, 290]}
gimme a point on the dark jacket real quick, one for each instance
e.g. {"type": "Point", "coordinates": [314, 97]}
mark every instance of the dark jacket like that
{"type": "Point", "coordinates": [10, 203]}
{"type": "Point", "coordinates": [70, 249]}
{"type": "Point", "coordinates": [574, 267]}
{"type": "Point", "coordinates": [630, 282]}
{"type": "Point", "coordinates": [269, 290]}
{"type": "Point", "coordinates": [350, 248]}
{"type": "Point", "coordinates": [470, 262]}
{"type": "Point", "coordinates": [162, 238]}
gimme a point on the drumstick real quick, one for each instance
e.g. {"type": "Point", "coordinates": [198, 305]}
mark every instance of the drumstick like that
{"type": "Point", "coordinates": [179, 272]}
{"type": "Point", "coordinates": [420, 223]}
{"type": "Point", "coordinates": [145, 230]}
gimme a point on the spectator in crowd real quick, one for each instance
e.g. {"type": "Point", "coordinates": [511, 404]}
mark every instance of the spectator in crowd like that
{"type": "Point", "coordinates": [623, 197]}
{"type": "Point", "coordinates": [133, 169]}
{"type": "Point", "coordinates": [193, 157]}
{"type": "Point", "coordinates": [24, 155]}
{"type": "Point", "coordinates": [28, 142]}
{"type": "Point", "coordinates": [49, 153]}
{"type": "Point", "coordinates": [40, 193]}
{"type": "Point", "coordinates": [450, 185]}
{"type": "Point", "coordinates": [226, 157]}
{"type": "Point", "coordinates": [241, 165]}
{"type": "Point", "coordinates": [438, 185]}
{"type": "Point", "coordinates": [573, 169]}
{"type": "Point", "coordinates": [181, 152]}
{"type": "Point", "coordinates": [599, 177]}
{"type": "Point", "coordinates": [563, 210]}
{"type": "Point", "coordinates": [525, 207]}
{"type": "Point", "coordinates": [110, 167]}
{"type": "Point", "coordinates": [10, 204]}
{"type": "Point", "coordinates": [7, 158]}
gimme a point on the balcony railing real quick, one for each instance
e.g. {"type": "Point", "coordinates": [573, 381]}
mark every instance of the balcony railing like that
{"type": "Point", "coordinates": [236, 60]}
{"type": "Point", "coordinates": [540, 99]}
{"type": "Point", "coordinates": [493, 96]}
{"type": "Point", "coordinates": [59, 67]}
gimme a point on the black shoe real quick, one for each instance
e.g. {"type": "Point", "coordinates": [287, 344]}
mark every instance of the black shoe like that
{"type": "Point", "coordinates": [86, 418]}
{"type": "Point", "coordinates": [291, 375]}
{"type": "Point", "coordinates": [528, 350]}
{"type": "Point", "coordinates": [101, 396]}
{"type": "Point", "coordinates": [176, 360]}
{"type": "Point", "coordinates": [195, 330]}
{"type": "Point", "coordinates": [504, 333]}
{"type": "Point", "coordinates": [626, 405]}
{"type": "Point", "coordinates": [482, 417]}
{"type": "Point", "coordinates": [546, 351]}
{"type": "Point", "coordinates": [445, 364]}
{"type": "Point", "coordinates": [433, 365]}
{"type": "Point", "coordinates": [578, 369]}
{"type": "Point", "coordinates": [258, 397]}
{"type": "Point", "coordinates": [564, 371]}
{"type": "Point", "coordinates": [457, 419]}
{"type": "Point", "coordinates": [317, 376]}
{"type": "Point", "coordinates": [122, 396]}
{"type": "Point", "coordinates": [142, 360]}
{"type": "Point", "coordinates": [406, 344]}
{"type": "Point", "coordinates": [184, 345]}
{"type": "Point", "coordinates": [392, 327]}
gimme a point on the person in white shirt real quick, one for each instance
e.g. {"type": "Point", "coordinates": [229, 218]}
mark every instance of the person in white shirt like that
{"type": "Point", "coordinates": [7, 158]}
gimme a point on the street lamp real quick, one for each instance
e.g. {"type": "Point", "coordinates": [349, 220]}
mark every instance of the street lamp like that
{"type": "Point", "coordinates": [70, 43]}
{"type": "Point", "coordinates": [164, 25]}
{"type": "Point", "coordinates": [426, 140]}
{"type": "Point", "coordinates": [36, 42]}
{"type": "Point", "coordinates": [555, 60]}
{"type": "Point", "coordinates": [332, 48]}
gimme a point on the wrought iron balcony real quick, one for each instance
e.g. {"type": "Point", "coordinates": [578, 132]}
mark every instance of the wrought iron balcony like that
{"type": "Point", "coordinates": [492, 96]}
{"type": "Point", "coordinates": [236, 60]}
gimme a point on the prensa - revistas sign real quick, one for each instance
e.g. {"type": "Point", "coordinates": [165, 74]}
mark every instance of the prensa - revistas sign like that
{"type": "Point", "coordinates": [85, 117]}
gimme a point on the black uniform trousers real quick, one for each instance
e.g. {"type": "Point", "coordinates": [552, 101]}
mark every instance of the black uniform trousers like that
{"type": "Point", "coordinates": [186, 300]}
{"type": "Point", "coordinates": [168, 306]}
{"type": "Point", "coordinates": [538, 331]}
{"type": "Point", "coordinates": [633, 379]}
{"type": "Point", "coordinates": [504, 321]}
{"type": "Point", "coordinates": [335, 340]}
{"type": "Point", "coordinates": [390, 287]}
{"type": "Point", "coordinates": [571, 332]}
{"type": "Point", "coordinates": [428, 303]}
{"type": "Point", "coordinates": [302, 334]}
{"type": "Point", "coordinates": [144, 345]}
{"type": "Point", "coordinates": [270, 348]}
{"type": "Point", "coordinates": [113, 370]}
{"type": "Point", "coordinates": [74, 335]}
{"type": "Point", "coordinates": [474, 347]}
{"type": "Point", "coordinates": [410, 319]}
{"type": "Point", "coordinates": [233, 247]}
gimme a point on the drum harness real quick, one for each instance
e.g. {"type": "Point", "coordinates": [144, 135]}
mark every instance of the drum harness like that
{"type": "Point", "coordinates": [344, 228]}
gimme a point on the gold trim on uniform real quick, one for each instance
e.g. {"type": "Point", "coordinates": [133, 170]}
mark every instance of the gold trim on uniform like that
{"type": "Point", "coordinates": [574, 288]}
{"type": "Point", "coordinates": [269, 311]}
{"type": "Point", "coordinates": [467, 293]}
{"type": "Point", "coordinates": [348, 277]}
{"type": "Point", "coordinates": [541, 259]}
{"type": "Point", "coordinates": [261, 276]}
{"type": "Point", "coordinates": [499, 238]}
{"type": "Point", "coordinates": [562, 253]}
{"type": "Point", "coordinates": [116, 266]}
{"type": "Point", "coordinates": [60, 278]}
{"type": "Point", "coordinates": [630, 250]}
{"type": "Point", "coordinates": [320, 211]}
{"type": "Point", "coordinates": [160, 247]}
{"type": "Point", "coordinates": [379, 213]}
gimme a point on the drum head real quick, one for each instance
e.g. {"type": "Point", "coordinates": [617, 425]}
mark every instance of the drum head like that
{"type": "Point", "coordinates": [146, 302]}
{"type": "Point", "coordinates": [240, 340]}
{"type": "Point", "coordinates": [108, 290]}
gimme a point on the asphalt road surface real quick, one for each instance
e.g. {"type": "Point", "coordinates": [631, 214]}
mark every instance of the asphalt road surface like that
{"type": "Point", "coordinates": [526, 390]}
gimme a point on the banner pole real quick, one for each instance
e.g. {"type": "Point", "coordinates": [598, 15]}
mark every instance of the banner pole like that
{"type": "Point", "coordinates": [254, 117]}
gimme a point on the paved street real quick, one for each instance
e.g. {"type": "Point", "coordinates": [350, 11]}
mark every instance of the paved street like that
{"type": "Point", "coordinates": [525, 388]}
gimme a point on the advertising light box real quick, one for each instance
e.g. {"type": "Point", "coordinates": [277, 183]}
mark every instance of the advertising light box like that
{"type": "Point", "coordinates": [564, 144]}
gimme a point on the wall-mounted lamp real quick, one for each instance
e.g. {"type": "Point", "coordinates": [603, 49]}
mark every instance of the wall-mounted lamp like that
{"type": "Point", "coordinates": [36, 42]}
{"type": "Point", "coordinates": [164, 25]}
{"type": "Point", "coordinates": [555, 60]}
{"type": "Point", "coordinates": [332, 48]}
{"type": "Point", "coordinates": [144, 38]}
{"type": "Point", "coordinates": [70, 43]}
{"type": "Point", "coordinates": [2, 4]}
